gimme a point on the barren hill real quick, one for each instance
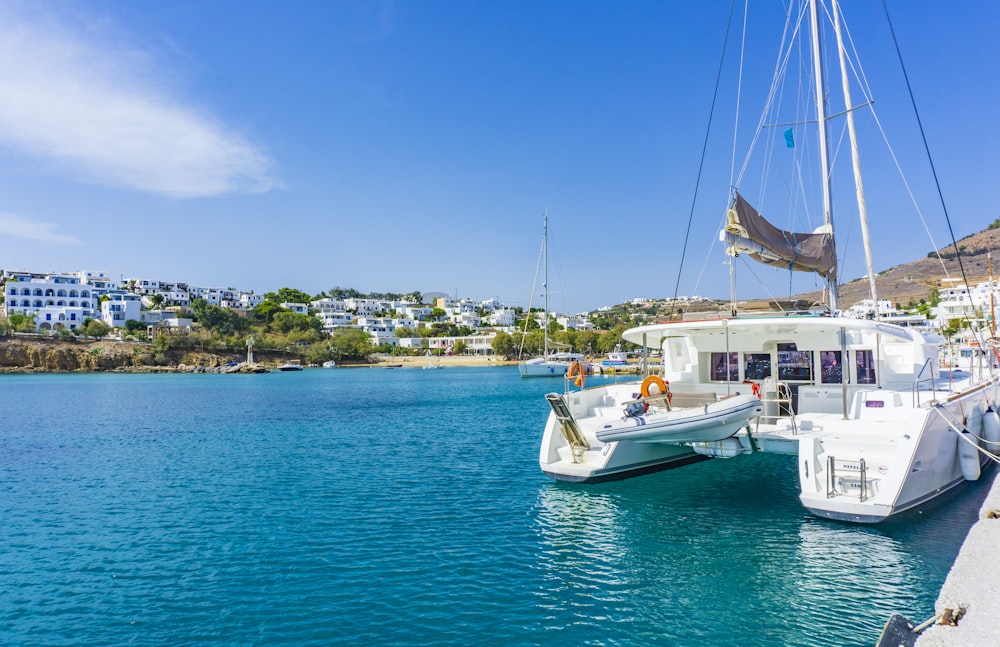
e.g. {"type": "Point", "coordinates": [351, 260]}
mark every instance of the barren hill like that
{"type": "Point", "coordinates": [914, 281]}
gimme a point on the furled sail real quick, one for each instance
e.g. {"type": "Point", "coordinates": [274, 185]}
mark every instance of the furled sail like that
{"type": "Point", "coordinates": [747, 232]}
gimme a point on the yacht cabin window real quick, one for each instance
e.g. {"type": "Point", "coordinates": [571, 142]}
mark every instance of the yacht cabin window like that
{"type": "Point", "coordinates": [866, 366]}
{"type": "Point", "coordinates": [831, 367]}
{"type": "Point", "coordinates": [794, 365]}
{"type": "Point", "coordinates": [756, 366]}
{"type": "Point", "coordinates": [723, 371]}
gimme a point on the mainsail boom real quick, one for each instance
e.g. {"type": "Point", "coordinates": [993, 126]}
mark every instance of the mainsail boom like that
{"type": "Point", "coordinates": [748, 232]}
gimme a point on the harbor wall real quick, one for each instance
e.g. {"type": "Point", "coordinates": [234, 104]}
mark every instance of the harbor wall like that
{"type": "Point", "coordinates": [968, 606]}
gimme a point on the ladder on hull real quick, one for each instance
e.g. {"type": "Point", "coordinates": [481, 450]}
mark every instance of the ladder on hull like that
{"type": "Point", "coordinates": [844, 474]}
{"type": "Point", "coordinates": [567, 425]}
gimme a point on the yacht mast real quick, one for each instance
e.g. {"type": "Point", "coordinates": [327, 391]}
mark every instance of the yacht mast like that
{"type": "Point", "coordinates": [856, 159]}
{"type": "Point", "coordinates": [824, 155]}
{"type": "Point", "coordinates": [545, 285]}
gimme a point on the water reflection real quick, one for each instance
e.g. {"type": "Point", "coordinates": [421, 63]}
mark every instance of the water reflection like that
{"type": "Point", "coordinates": [723, 549]}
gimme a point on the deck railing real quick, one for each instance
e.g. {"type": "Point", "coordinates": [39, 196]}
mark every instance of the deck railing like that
{"type": "Point", "coordinates": [920, 381]}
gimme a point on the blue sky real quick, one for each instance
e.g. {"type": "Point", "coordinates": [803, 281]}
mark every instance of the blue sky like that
{"type": "Point", "coordinates": [399, 146]}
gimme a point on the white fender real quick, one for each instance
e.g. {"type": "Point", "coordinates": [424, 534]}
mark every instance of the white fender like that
{"type": "Point", "coordinates": [991, 431]}
{"type": "Point", "coordinates": [968, 456]}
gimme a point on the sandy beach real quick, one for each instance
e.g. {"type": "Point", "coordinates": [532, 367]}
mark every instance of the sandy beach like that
{"type": "Point", "coordinates": [452, 360]}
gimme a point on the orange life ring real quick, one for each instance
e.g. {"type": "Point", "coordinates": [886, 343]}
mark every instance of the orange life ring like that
{"type": "Point", "coordinates": [576, 370]}
{"type": "Point", "coordinates": [755, 387]}
{"type": "Point", "coordinates": [662, 386]}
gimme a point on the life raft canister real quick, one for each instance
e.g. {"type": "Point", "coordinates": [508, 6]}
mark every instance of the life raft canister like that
{"type": "Point", "coordinates": [656, 385]}
{"type": "Point", "coordinates": [576, 370]}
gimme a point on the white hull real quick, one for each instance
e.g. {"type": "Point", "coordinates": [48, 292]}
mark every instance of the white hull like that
{"type": "Point", "coordinates": [906, 459]}
{"type": "Point", "coordinates": [542, 368]}
{"type": "Point", "coordinates": [871, 443]}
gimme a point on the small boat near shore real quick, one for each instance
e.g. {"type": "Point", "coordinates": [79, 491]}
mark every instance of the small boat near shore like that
{"type": "Point", "coordinates": [292, 365]}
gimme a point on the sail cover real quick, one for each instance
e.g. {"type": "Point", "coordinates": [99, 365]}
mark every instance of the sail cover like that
{"type": "Point", "coordinates": [748, 232]}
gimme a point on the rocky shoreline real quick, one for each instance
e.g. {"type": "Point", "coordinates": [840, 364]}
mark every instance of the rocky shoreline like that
{"type": "Point", "coordinates": [49, 355]}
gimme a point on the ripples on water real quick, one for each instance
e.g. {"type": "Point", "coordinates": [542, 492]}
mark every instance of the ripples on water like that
{"type": "Point", "coordinates": [406, 507]}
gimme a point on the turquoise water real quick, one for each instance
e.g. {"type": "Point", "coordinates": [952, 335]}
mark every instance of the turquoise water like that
{"type": "Point", "coordinates": [406, 507]}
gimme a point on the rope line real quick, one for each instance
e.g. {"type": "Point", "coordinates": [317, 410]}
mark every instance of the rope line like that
{"type": "Point", "coordinates": [704, 149]}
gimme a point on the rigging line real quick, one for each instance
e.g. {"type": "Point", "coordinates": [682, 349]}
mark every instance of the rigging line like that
{"type": "Point", "coordinates": [762, 285]}
{"type": "Point", "coordinates": [779, 66]}
{"type": "Point", "coordinates": [862, 78]}
{"type": "Point", "coordinates": [923, 136]}
{"type": "Point", "coordinates": [704, 148]}
{"type": "Point", "coordinates": [531, 298]}
{"type": "Point", "coordinates": [909, 191]}
{"type": "Point", "coordinates": [788, 37]}
{"type": "Point", "coordinates": [739, 91]}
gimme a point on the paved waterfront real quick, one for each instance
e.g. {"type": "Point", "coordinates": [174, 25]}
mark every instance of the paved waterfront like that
{"type": "Point", "coordinates": [973, 584]}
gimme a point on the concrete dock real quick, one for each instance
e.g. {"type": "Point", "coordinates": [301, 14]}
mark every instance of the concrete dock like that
{"type": "Point", "coordinates": [967, 610]}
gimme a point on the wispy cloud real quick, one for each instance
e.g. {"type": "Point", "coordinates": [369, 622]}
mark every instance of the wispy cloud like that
{"type": "Point", "coordinates": [20, 227]}
{"type": "Point", "coordinates": [101, 110]}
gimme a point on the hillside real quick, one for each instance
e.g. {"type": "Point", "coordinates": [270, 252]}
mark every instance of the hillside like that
{"type": "Point", "coordinates": [914, 281]}
{"type": "Point", "coordinates": [901, 285]}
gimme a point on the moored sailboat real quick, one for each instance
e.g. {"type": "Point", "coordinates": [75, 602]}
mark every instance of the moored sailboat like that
{"type": "Point", "coordinates": [555, 364]}
{"type": "Point", "coordinates": [876, 428]}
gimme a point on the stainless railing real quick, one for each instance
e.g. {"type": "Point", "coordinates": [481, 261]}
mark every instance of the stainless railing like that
{"type": "Point", "coordinates": [919, 381]}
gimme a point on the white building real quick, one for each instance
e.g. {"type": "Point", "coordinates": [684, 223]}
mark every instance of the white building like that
{"type": "Point", "coordinates": [575, 322]}
{"type": "Point", "coordinates": [249, 300]}
{"type": "Point", "coordinates": [99, 282]}
{"type": "Point", "coordinates": [120, 307]}
{"type": "Point", "coordinates": [481, 344]}
{"type": "Point", "coordinates": [467, 319]}
{"type": "Point", "coordinates": [297, 308]}
{"type": "Point", "coordinates": [504, 317]}
{"type": "Point", "coordinates": [54, 299]}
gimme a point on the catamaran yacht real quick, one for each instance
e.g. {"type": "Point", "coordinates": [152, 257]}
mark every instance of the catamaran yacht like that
{"type": "Point", "coordinates": [875, 425]}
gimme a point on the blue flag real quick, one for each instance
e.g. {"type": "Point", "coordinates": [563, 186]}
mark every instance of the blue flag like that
{"type": "Point", "coordinates": [789, 139]}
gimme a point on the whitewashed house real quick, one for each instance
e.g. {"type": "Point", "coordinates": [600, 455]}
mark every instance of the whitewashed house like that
{"type": "Point", "coordinates": [504, 317]}
{"type": "Point", "coordinates": [297, 308]}
{"type": "Point", "coordinates": [55, 299]}
{"type": "Point", "coordinates": [120, 307]}
{"type": "Point", "coordinates": [249, 300]}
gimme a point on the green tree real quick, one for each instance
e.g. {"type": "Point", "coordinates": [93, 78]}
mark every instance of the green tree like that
{"type": "Point", "coordinates": [264, 311]}
{"type": "Point", "coordinates": [350, 343]}
{"type": "Point", "coordinates": [611, 338]}
{"type": "Point", "coordinates": [222, 321]}
{"type": "Point", "coordinates": [288, 295]}
{"type": "Point", "coordinates": [404, 331]}
{"type": "Point", "coordinates": [22, 322]}
{"type": "Point", "coordinates": [94, 328]}
{"type": "Point", "coordinates": [503, 344]}
{"type": "Point", "coordinates": [133, 327]}
{"type": "Point", "coordinates": [287, 322]}
{"type": "Point", "coordinates": [459, 347]}
{"type": "Point", "coordinates": [157, 301]}
{"type": "Point", "coordinates": [438, 314]}
{"type": "Point", "coordinates": [344, 293]}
